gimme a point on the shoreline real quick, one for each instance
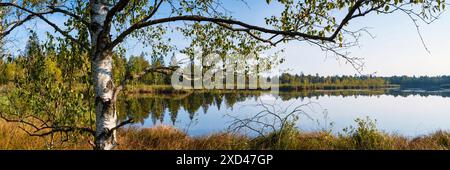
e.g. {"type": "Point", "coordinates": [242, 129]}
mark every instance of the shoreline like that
{"type": "Point", "coordinates": [167, 89]}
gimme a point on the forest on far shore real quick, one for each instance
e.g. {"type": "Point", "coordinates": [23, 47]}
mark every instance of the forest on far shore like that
{"type": "Point", "coordinates": [10, 70]}
{"type": "Point", "coordinates": [51, 57]}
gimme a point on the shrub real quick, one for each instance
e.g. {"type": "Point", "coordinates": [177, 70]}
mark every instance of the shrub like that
{"type": "Point", "coordinates": [366, 136]}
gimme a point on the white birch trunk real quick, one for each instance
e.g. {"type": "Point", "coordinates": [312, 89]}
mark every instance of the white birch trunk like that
{"type": "Point", "coordinates": [102, 62]}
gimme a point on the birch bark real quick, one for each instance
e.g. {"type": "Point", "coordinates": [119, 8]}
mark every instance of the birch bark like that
{"type": "Point", "coordinates": [102, 62]}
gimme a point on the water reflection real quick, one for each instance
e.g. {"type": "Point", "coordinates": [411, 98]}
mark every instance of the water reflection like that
{"type": "Point", "coordinates": [180, 109]}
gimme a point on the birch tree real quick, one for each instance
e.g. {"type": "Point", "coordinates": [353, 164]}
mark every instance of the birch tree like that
{"type": "Point", "coordinates": [101, 27]}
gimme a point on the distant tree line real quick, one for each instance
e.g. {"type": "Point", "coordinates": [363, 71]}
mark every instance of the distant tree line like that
{"type": "Point", "coordinates": [57, 61]}
{"type": "Point", "coordinates": [420, 81]}
{"type": "Point", "coordinates": [302, 81]}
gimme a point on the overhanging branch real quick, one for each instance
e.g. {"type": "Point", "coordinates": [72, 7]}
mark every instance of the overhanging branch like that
{"type": "Point", "coordinates": [68, 13]}
{"type": "Point", "coordinates": [19, 23]}
{"type": "Point", "coordinates": [44, 129]}
{"type": "Point", "coordinates": [128, 78]}
{"type": "Point", "coordinates": [114, 10]}
{"type": "Point", "coordinates": [41, 16]}
{"type": "Point", "coordinates": [228, 23]}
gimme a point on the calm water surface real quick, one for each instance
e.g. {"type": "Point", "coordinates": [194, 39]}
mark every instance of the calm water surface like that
{"type": "Point", "coordinates": [405, 112]}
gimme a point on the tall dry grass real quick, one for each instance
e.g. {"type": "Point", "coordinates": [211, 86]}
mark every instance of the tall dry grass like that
{"type": "Point", "coordinates": [14, 138]}
{"type": "Point", "coordinates": [170, 138]}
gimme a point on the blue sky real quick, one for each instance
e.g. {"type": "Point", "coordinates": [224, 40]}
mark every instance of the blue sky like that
{"type": "Point", "coordinates": [395, 50]}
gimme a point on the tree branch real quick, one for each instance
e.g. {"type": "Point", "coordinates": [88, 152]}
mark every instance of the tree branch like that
{"type": "Point", "coordinates": [68, 13]}
{"type": "Point", "coordinates": [59, 129]}
{"type": "Point", "coordinates": [245, 26]}
{"type": "Point", "coordinates": [39, 15]}
{"type": "Point", "coordinates": [198, 18]}
{"type": "Point", "coordinates": [114, 10]}
{"type": "Point", "coordinates": [19, 23]}
{"type": "Point", "coordinates": [350, 15]}
{"type": "Point", "coordinates": [109, 132]}
{"type": "Point", "coordinates": [143, 20]}
{"type": "Point", "coordinates": [128, 78]}
{"type": "Point", "coordinates": [53, 129]}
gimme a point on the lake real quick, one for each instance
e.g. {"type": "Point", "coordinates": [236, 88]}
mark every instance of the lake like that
{"type": "Point", "coordinates": [405, 112]}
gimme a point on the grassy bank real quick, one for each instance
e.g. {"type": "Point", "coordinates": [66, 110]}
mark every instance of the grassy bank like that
{"type": "Point", "coordinates": [166, 138]}
{"type": "Point", "coordinates": [169, 138]}
{"type": "Point", "coordinates": [14, 138]}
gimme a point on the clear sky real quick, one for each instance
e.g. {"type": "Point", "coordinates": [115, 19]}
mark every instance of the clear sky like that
{"type": "Point", "coordinates": [395, 50]}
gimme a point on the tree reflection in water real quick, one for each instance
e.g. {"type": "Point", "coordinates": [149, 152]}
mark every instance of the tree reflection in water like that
{"type": "Point", "coordinates": [154, 107]}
